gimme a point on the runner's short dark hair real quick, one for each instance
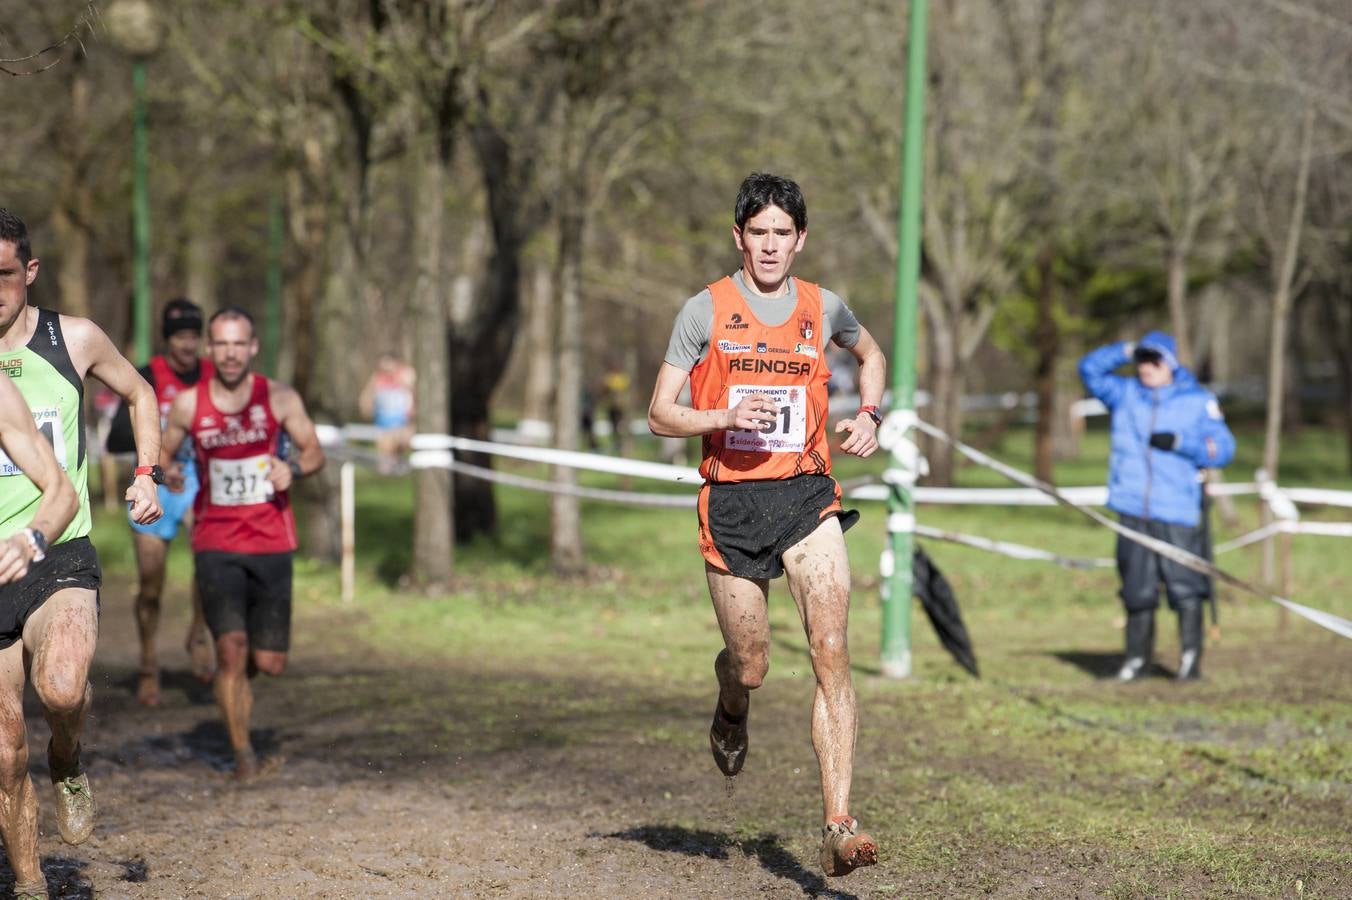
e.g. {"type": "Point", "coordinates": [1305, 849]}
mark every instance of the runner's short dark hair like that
{"type": "Point", "coordinates": [13, 229]}
{"type": "Point", "coordinates": [232, 312]}
{"type": "Point", "coordinates": [761, 190]}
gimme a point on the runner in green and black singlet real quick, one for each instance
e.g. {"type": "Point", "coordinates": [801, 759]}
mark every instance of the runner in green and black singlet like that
{"type": "Point", "coordinates": [44, 375]}
{"type": "Point", "coordinates": [49, 618]}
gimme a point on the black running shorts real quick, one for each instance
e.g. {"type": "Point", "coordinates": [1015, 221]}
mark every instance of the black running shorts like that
{"type": "Point", "coordinates": [72, 564]}
{"type": "Point", "coordinates": [249, 592]}
{"type": "Point", "coordinates": [744, 528]}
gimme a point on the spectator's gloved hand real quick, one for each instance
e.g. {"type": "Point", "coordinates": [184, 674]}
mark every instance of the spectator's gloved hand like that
{"type": "Point", "coordinates": [1164, 440]}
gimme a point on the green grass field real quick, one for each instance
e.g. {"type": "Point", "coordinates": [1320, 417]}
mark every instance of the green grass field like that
{"type": "Point", "coordinates": [1237, 786]}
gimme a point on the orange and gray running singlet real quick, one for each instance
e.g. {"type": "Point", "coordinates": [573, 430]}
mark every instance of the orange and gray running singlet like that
{"type": "Point", "coordinates": [786, 363]}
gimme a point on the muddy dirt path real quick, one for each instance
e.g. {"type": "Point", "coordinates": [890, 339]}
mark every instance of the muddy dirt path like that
{"type": "Point", "coordinates": [474, 777]}
{"type": "Point", "coordinates": [385, 794]}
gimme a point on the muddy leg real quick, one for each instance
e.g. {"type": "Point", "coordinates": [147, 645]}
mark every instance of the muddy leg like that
{"type": "Point", "coordinates": [199, 644]}
{"type": "Point", "coordinates": [740, 604]}
{"type": "Point", "coordinates": [234, 696]}
{"type": "Point", "coordinates": [18, 802]}
{"type": "Point", "coordinates": [150, 558]}
{"type": "Point", "coordinates": [819, 578]}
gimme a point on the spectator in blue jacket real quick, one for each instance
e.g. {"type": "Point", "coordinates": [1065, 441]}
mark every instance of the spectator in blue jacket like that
{"type": "Point", "coordinates": [1165, 429]}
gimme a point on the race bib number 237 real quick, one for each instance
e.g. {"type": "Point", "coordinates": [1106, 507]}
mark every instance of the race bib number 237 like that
{"type": "Point", "coordinates": [240, 482]}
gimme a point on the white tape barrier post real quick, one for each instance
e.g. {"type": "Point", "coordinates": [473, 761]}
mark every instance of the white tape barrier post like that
{"type": "Point", "coordinates": [1333, 623]}
{"type": "Point", "coordinates": [348, 512]}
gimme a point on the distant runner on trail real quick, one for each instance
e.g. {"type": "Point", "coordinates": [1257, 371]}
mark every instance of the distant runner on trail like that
{"type": "Point", "coordinates": [243, 534]}
{"type": "Point", "coordinates": [170, 373]}
{"type": "Point", "coordinates": [49, 618]}
{"type": "Point", "coordinates": [753, 347]}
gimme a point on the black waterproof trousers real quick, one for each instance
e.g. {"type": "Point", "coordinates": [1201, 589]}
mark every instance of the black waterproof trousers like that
{"type": "Point", "coordinates": [1142, 569]}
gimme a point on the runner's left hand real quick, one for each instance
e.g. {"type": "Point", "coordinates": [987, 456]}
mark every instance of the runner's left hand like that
{"type": "Point", "coordinates": [279, 473]}
{"type": "Point", "coordinates": [143, 500]}
{"type": "Point", "coordinates": [863, 435]}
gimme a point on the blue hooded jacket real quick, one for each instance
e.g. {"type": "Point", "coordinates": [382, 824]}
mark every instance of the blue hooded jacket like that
{"type": "Point", "coordinates": [1143, 480]}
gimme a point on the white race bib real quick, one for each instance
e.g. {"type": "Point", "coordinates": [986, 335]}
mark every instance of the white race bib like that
{"type": "Point", "coordinates": [48, 422]}
{"type": "Point", "coordinates": [788, 432]}
{"type": "Point", "coordinates": [240, 482]}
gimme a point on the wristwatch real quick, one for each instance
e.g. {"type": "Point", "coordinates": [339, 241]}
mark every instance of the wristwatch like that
{"type": "Point", "coordinates": [872, 413]}
{"type": "Point", "coordinates": [38, 541]}
{"type": "Point", "coordinates": [155, 472]}
{"type": "Point", "coordinates": [296, 472]}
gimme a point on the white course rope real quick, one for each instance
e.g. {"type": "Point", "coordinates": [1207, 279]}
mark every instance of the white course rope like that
{"type": "Point", "coordinates": [1333, 623]}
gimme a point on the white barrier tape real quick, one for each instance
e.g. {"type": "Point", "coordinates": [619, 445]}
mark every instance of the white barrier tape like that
{"type": "Point", "coordinates": [1287, 526]}
{"type": "Point", "coordinates": [1089, 496]}
{"type": "Point", "coordinates": [1169, 551]}
{"type": "Point", "coordinates": [1318, 497]}
{"type": "Point", "coordinates": [1014, 551]}
{"type": "Point", "coordinates": [573, 459]}
{"type": "Point", "coordinates": [1253, 537]}
{"type": "Point", "coordinates": [430, 459]}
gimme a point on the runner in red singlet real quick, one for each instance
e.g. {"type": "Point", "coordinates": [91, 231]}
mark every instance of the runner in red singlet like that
{"type": "Point", "coordinates": [244, 533]}
{"type": "Point", "coordinates": [753, 349]}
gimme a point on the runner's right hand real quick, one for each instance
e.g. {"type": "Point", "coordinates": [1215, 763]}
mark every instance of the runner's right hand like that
{"type": "Point", "coordinates": [753, 412]}
{"type": "Point", "coordinates": [15, 554]}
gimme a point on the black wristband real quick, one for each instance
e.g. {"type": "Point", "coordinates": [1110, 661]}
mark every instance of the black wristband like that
{"type": "Point", "coordinates": [296, 472]}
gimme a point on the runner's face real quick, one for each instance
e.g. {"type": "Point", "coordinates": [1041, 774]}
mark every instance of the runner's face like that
{"type": "Point", "coordinates": [768, 241]}
{"type": "Point", "coordinates": [232, 348]}
{"type": "Point", "coordinates": [15, 278]}
{"type": "Point", "coordinates": [183, 348]}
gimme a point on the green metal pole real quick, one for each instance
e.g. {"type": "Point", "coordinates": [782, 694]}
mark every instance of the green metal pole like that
{"type": "Point", "coordinates": [272, 313]}
{"type": "Point", "coordinates": [896, 652]}
{"type": "Point", "coordinates": [140, 200]}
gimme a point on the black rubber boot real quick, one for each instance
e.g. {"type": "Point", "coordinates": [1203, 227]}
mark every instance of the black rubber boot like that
{"type": "Point", "coordinates": [1140, 645]}
{"type": "Point", "coordinates": [1190, 626]}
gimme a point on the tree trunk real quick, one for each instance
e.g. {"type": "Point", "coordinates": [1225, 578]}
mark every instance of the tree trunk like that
{"type": "Point", "coordinates": [566, 553]}
{"type": "Point", "coordinates": [539, 348]}
{"type": "Point", "coordinates": [72, 213]}
{"type": "Point", "coordinates": [333, 385]}
{"type": "Point", "coordinates": [1284, 272]}
{"type": "Point", "coordinates": [945, 385]}
{"type": "Point", "coordinates": [481, 341]}
{"type": "Point", "coordinates": [1178, 302]}
{"type": "Point", "coordinates": [433, 547]}
{"type": "Point", "coordinates": [1047, 338]}
{"type": "Point", "coordinates": [1337, 322]}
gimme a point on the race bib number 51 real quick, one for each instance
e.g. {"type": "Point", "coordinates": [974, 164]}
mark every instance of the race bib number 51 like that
{"type": "Point", "coordinates": [786, 434]}
{"type": "Point", "coordinates": [48, 422]}
{"type": "Point", "coordinates": [240, 482]}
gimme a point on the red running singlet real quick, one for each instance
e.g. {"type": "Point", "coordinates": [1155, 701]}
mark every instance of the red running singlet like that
{"type": "Point", "coordinates": [236, 509]}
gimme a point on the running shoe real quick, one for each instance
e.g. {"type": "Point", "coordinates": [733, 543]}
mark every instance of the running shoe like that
{"type": "Point", "coordinates": [36, 890]}
{"type": "Point", "coordinates": [727, 740]}
{"type": "Point", "coordinates": [75, 806]}
{"type": "Point", "coordinates": [846, 848]}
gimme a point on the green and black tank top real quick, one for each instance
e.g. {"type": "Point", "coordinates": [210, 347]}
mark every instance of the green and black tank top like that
{"type": "Point", "coordinates": [43, 372]}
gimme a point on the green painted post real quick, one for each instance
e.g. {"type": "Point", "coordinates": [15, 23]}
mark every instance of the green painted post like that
{"type": "Point", "coordinates": [272, 313]}
{"type": "Point", "coordinates": [140, 201]}
{"type": "Point", "coordinates": [896, 644]}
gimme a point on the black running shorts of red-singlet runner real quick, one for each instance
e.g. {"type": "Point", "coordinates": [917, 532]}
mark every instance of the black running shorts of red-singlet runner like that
{"type": "Point", "coordinates": [249, 592]}
{"type": "Point", "coordinates": [746, 527]}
